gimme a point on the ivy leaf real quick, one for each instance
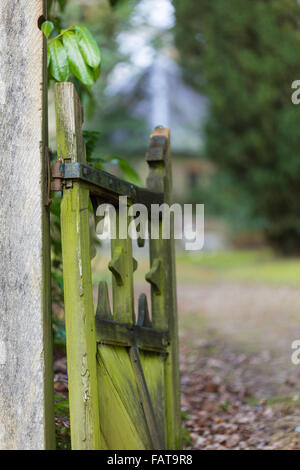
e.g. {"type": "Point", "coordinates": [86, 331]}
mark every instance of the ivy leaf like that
{"type": "Point", "coordinates": [88, 47]}
{"type": "Point", "coordinates": [47, 28]}
{"type": "Point", "coordinates": [59, 66]}
{"type": "Point", "coordinates": [77, 63]}
{"type": "Point", "coordinates": [97, 72]}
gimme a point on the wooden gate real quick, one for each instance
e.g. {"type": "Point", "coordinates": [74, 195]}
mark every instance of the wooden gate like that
{"type": "Point", "coordinates": [123, 372]}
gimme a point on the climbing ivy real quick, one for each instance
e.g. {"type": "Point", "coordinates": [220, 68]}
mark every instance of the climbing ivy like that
{"type": "Point", "coordinates": [73, 50]}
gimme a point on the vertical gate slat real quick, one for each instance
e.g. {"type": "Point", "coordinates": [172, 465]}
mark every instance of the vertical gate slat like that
{"type": "Point", "coordinates": [79, 310]}
{"type": "Point", "coordinates": [164, 299]}
{"type": "Point", "coordinates": [153, 365]}
{"type": "Point", "coordinates": [122, 284]}
{"type": "Point", "coordinates": [122, 405]}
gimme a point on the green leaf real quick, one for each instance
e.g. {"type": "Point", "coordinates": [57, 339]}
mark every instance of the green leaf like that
{"type": "Point", "coordinates": [47, 28]}
{"type": "Point", "coordinates": [97, 72]}
{"type": "Point", "coordinates": [88, 47]}
{"type": "Point", "coordinates": [59, 66]}
{"type": "Point", "coordinates": [77, 63]}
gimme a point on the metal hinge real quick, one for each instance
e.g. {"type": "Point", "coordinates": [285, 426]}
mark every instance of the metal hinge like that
{"type": "Point", "coordinates": [64, 173]}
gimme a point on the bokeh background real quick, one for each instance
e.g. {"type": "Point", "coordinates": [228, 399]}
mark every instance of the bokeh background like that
{"type": "Point", "coordinates": [219, 74]}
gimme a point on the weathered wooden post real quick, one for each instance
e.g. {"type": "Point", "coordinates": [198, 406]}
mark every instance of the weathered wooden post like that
{"type": "Point", "coordinates": [76, 251]}
{"type": "Point", "coordinates": [26, 397]}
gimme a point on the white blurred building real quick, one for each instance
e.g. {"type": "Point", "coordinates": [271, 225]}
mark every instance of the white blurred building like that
{"type": "Point", "coordinates": [161, 97]}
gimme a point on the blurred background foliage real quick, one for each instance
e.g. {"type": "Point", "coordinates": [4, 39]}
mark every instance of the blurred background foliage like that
{"type": "Point", "coordinates": [244, 58]}
{"type": "Point", "coordinates": [106, 20]}
{"type": "Point", "coordinates": [242, 61]}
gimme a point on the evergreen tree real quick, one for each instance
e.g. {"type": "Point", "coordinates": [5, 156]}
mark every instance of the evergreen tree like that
{"type": "Point", "coordinates": [245, 56]}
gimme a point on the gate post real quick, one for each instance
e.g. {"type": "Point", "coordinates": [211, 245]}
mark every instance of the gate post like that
{"type": "Point", "coordinates": [78, 289]}
{"type": "Point", "coordinates": [26, 381]}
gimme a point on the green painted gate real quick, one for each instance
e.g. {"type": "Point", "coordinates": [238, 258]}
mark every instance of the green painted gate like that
{"type": "Point", "coordinates": [123, 370]}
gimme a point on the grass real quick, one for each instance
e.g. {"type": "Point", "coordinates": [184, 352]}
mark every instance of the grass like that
{"type": "Point", "coordinates": [285, 401]}
{"type": "Point", "coordinates": [252, 266]}
{"type": "Point", "coordinates": [246, 266]}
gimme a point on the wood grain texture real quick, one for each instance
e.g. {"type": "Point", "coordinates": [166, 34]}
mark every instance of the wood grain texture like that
{"type": "Point", "coordinates": [26, 381]}
{"type": "Point", "coordinates": [122, 417]}
{"type": "Point", "coordinates": [78, 293]}
{"type": "Point", "coordinates": [79, 317]}
{"type": "Point", "coordinates": [153, 367]}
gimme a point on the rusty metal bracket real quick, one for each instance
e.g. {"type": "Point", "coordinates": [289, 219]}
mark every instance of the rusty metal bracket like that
{"type": "Point", "coordinates": [101, 182]}
{"type": "Point", "coordinates": [57, 176]}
